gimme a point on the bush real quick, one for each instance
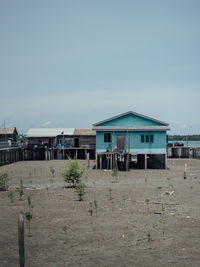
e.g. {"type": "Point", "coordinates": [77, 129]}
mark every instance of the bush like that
{"type": "Point", "coordinates": [73, 173]}
{"type": "Point", "coordinates": [4, 182]}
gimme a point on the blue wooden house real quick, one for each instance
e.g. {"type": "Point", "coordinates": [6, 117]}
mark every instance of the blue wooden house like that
{"type": "Point", "coordinates": [141, 137]}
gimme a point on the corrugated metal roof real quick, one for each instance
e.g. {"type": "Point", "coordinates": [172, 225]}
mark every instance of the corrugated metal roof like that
{"type": "Point", "coordinates": [49, 132]}
{"type": "Point", "coordinates": [84, 132]}
{"type": "Point", "coordinates": [131, 128]}
{"type": "Point", "coordinates": [7, 130]}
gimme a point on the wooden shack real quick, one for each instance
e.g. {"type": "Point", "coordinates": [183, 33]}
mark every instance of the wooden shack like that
{"type": "Point", "coordinates": [59, 143]}
{"type": "Point", "coordinates": [8, 136]}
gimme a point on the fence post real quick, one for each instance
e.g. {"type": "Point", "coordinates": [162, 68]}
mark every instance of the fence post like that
{"type": "Point", "coordinates": [88, 160]}
{"type": "Point", "coordinates": [21, 239]}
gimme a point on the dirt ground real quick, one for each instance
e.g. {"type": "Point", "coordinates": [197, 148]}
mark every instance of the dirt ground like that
{"type": "Point", "coordinates": [137, 222]}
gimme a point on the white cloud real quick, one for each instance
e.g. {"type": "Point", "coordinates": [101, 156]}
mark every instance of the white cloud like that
{"type": "Point", "coordinates": [47, 123]}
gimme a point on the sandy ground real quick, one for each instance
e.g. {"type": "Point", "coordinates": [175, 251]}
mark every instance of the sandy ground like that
{"type": "Point", "coordinates": [136, 223]}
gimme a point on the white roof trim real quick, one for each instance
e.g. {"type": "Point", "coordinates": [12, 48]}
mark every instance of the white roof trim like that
{"type": "Point", "coordinates": [131, 128]}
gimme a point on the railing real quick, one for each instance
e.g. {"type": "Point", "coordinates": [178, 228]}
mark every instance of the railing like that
{"type": "Point", "coordinates": [8, 144]}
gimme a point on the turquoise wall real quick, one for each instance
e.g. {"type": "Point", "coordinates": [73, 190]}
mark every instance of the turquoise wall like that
{"type": "Point", "coordinates": [130, 120]}
{"type": "Point", "coordinates": [134, 145]}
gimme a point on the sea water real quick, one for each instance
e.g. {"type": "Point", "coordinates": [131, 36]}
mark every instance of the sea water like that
{"type": "Point", "coordinates": [190, 143]}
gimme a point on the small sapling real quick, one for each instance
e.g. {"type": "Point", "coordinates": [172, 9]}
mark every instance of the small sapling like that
{"type": "Point", "coordinates": [20, 189]}
{"type": "Point", "coordinates": [11, 196]}
{"type": "Point", "coordinates": [65, 228]}
{"type": "Point", "coordinates": [90, 211]}
{"type": "Point", "coordinates": [52, 171]}
{"type": "Point", "coordinates": [110, 194]}
{"type": "Point", "coordinates": [29, 217]}
{"type": "Point", "coordinates": [30, 206]}
{"type": "Point", "coordinates": [147, 202]}
{"type": "Point", "coordinates": [115, 174]}
{"type": "Point", "coordinates": [80, 190]}
{"type": "Point", "coordinates": [96, 206]}
{"type": "Point", "coordinates": [149, 238]}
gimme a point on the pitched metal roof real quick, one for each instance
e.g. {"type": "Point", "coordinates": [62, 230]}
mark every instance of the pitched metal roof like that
{"type": "Point", "coordinates": [53, 132]}
{"type": "Point", "coordinates": [134, 113]}
{"type": "Point", "coordinates": [7, 130]}
{"type": "Point", "coordinates": [49, 132]}
{"type": "Point", "coordinates": [131, 128]}
{"type": "Point", "coordinates": [84, 132]}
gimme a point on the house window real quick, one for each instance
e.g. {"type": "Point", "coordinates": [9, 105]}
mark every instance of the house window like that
{"type": "Point", "coordinates": [151, 138]}
{"type": "Point", "coordinates": [142, 138]}
{"type": "Point", "coordinates": [107, 137]}
{"type": "Point", "coordinates": [147, 139]}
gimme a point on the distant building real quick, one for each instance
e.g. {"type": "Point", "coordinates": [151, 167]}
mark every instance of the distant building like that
{"type": "Point", "coordinates": [8, 136]}
{"type": "Point", "coordinates": [61, 138]}
{"type": "Point", "coordinates": [141, 137]}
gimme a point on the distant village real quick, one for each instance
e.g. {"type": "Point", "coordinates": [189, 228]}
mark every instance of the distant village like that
{"type": "Point", "coordinates": [126, 141]}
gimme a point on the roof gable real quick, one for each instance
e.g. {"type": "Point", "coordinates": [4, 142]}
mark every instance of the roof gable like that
{"type": "Point", "coordinates": [130, 118]}
{"type": "Point", "coordinates": [8, 130]}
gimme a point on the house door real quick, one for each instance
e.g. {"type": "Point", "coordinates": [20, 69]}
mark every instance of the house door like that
{"type": "Point", "coordinates": [121, 142]}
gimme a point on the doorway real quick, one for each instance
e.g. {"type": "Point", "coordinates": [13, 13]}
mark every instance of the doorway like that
{"type": "Point", "coordinates": [76, 142]}
{"type": "Point", "coordinates": [121, 142]}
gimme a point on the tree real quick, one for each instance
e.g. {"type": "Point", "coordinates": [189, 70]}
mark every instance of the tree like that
{"type": "Point", "coordinates": [73, 173]}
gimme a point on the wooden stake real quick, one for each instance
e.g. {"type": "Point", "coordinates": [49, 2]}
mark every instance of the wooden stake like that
{"type": "Point", "coordinates": [145, 161]}
{"type": "Point", "coordinates": [21, 239]}
{"type": "Point", "coordinates": [88, 160]}
{"type": "Point", "coordinates": [100, 162]}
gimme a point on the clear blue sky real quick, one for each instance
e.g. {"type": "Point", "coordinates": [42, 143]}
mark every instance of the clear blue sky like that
{"type": "Point", "coordinates": [73, 63]}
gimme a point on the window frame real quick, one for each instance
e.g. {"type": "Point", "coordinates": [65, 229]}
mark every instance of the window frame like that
{"type": "Point", "coordinates": [107, 137]}
{"type": "Point", "coordinates": [151, 138]}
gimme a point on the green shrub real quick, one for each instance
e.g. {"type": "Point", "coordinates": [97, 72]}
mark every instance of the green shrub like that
{"type": "Point", "coordinates": [4, 181]}
{"type": "Point", "coordinates": [73, 173]}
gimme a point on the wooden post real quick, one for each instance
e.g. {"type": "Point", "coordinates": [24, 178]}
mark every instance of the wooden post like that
{"type": "Point", "coordinates": [127, 162]}
{"type": "Point", "coordinates": [115, 161]}
{"type": "Point", "coordinates": [100, 162]}
{"type": "Point", "coordinates": [21, 239]}
{"type": "Point", "coordinates": [88, 160]}
{"type": "Point", "coordinates": [46, 153]}
{"type": "Point", "coordinates": [185, 171]}
{"type": "Point", "coordinates": [111, 162]}
{"type": "Point", "coordinates": [165, 161]}
{"type": "Point", "coordinates": [145, 161]}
